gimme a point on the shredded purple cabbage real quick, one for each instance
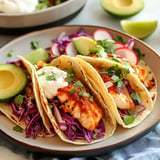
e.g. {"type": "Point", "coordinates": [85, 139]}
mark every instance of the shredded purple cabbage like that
{"type": "Point", "coordinates": [63, 39]}
{"type": "Point", "coordinates": [74, 130]}
{"type": "Point", "coordinates": [29, 113]}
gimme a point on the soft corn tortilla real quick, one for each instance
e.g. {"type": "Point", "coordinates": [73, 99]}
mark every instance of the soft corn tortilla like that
{"type": "Point", "coordinates": [6, 109]}
{"type": "Point", "coordinates": [109, 121]}
{"type": "Point", "coordinates": [88, 64]}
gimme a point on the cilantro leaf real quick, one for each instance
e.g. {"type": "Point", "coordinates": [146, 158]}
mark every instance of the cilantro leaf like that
{"type": "Point", "coordinates": [128, 119]}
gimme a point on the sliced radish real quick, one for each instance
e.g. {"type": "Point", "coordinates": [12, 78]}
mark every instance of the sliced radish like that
{"type": "Point", "coordinates": [102, 34]}
{"type": "Point", "coordinates": [119, 45]}
{"type": "Point", "coordinates": [54, 50]}
{"type": "Point", "coordinates": [70, 50]}
{"type": "Point", "coordinates": [128, 54]}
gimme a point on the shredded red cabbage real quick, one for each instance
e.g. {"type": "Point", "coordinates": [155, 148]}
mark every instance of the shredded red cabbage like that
{"type": "Point", "coordinates": [29, 113]}
{"type": "Point", "coordinates": [63, 39]}
{"type": "Point", "coordinates": [73, 129]}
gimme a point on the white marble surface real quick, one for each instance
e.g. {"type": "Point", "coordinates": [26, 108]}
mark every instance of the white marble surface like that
{"type": "Point", "coordinates": [92, 14]}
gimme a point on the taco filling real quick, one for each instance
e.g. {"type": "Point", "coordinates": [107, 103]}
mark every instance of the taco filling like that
{"type": "Point", "coordinates": [73, 106]}
{"type": "Point", "coordinates": [127, 100]}
{"type": "Point", "coordinates": [23, 110]}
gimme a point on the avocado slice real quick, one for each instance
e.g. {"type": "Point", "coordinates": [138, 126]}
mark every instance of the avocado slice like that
{"type": "Point", "coordinates": [122, 8]}
{"type": "Point", "coordinates": [84, 44]}
{"type": "Point", "coordinates": [38, 54]}
{"type": "Point", "coordinates": [13, 79]}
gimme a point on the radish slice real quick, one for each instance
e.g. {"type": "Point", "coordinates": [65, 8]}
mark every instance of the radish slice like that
{"type": "Point", "coordinates": [102, 34]}
{"type": "Point", "coordinates": [128, 54]}
{"type": "Point", "coordinates": [119, 45]}
{"type": "Point", "coordinates": [54, 50]}
{"type": "Point", "coordinates": [70, 50]}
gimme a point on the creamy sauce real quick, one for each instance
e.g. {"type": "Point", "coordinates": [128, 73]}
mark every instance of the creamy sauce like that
{"type": "Point", "coordinates": [18, 6]}
{"type": "Point", "coordinates": [51, 79]}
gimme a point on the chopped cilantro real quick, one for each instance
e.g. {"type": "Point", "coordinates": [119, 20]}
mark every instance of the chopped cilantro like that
{"type": "Point", "coordinates": [50, 105]}
{"type": "Point", "coordinates": [119, 83]}
{"type": "Point", "coordinates": [128, 119]}
{"type": "Point", "coordinates": [119, 39]}
{"type": "Point", "coordinates": [131, 112]}
{"type": "Point", "coordinates": [17, 129]}
{"type": "Point", "coordinates": [72, 91]}
{"type": "Point", "coordinates": [10, 53]}
{"type": "Point", "coordinates": [91, 99]}
{"type": "Point", "coordinates": [84, 93]}
{"type": "Point", "coordinates": [71, 72]}
{"type": "Point", "coordinates": [18, 99]}
{"type": "Point", "coordinates": [114, 59]}
{"type": "Point", "coordinates": [108, 45]}
{"type": "Point", "coordinates": [138, 53]}
{"type": "Point", "coordinates": [78, 84]}
{"type": "Point", "coordinates": [34, 44]}
{"type": "Point", "coordinates": [51, 77]}
{"type": "Point", "coordinates": [136, 96]}
{"type": "Point", "coordinates": [43, 4]}
{"type": "Point", "coordinates": [115, 70]}
{"type": "Point", "coordinates": [69, 79]}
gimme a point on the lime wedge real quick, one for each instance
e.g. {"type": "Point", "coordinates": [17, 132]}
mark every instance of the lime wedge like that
{"type": "Point", "coordinates": [139, 29]}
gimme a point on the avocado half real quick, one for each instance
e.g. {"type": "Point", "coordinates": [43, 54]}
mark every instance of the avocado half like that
{"type": "Point", "coordinates": [13, 79]}
{"type": "Point", "coordinates": [122, 8]}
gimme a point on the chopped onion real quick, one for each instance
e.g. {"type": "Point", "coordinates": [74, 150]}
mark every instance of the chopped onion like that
{"type": "Point", "coordinates": [114, 77]}
{"type": "Point", "coordinates": [131, 43]}
{"type": "Point", "coordinates": [108, 84]}
{"type": "Point", "coordinates": [61, 122]}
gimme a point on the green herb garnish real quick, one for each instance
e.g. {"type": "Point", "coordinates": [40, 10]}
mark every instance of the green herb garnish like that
{"type": "Point", "coordinates": [71, 72]}
{"type": "Point", "coordinates": [138, 53]}
{"type": "Point", "coordinates": [17, 129]}
{"type": "Point", "coordinates": [10, 53]}
{"type": "Point", "coordinates": [18, 99]}
{"type": "Point", "coordinates": [91, 99]}
{"type": "Point", "coordinates": [51, 77]}
{"type": "Point", "coordinates": [128, 119]}
{"type": "Point", "coordinates": [108, 46]}
{"type": "Point", "coordinates": [69, 79]}
{"type": "Point", "coordinates": [72, 91]}
{"type": "Point", "coordinates": [78, 84]}
{"type": "Point", "coordinates": [50, 105]}
{"type": "Point", "coordinates": [131, 112]}
{"type": "Point", "coordinates": [136, 96]}
{"type": "Point", "coordinates": [84, 93]}
{"type": "Point", "coordinates": [34, 44]}
{"type": "Point", "coordinates": [121, 73]}
{"type": "Point", "coordinates": [119, 39]}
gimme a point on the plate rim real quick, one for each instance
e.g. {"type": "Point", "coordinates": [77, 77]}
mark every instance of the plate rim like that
{"type": "Point", "coordinates": [105, 148]}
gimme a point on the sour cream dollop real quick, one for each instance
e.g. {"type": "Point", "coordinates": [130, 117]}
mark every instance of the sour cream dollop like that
{"type": "Point", "coordinates": [51, 79]}
{"type": "Point", "coordinates": [18, 6]}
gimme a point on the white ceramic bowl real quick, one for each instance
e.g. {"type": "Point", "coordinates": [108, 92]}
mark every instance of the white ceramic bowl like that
{"type": "Point", "coordinates": [42, 17]}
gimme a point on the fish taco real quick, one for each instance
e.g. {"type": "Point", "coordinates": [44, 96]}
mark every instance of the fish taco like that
{"type": "Point", "coordinates": [75, 110]}
{"type": "Point", "coordinates": [129, 99]}
{"type": "Point", "coordinates": [22, 103]}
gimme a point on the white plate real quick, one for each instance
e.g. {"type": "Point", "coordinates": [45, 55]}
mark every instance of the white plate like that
{"type": "Point", "coordinates": [42, 17]}
{"type": "Point", "coordinates": [54, 145]}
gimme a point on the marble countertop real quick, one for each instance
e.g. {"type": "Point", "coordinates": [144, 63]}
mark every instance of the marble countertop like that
{"type": "Point", "coordinates": [91, 14]}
